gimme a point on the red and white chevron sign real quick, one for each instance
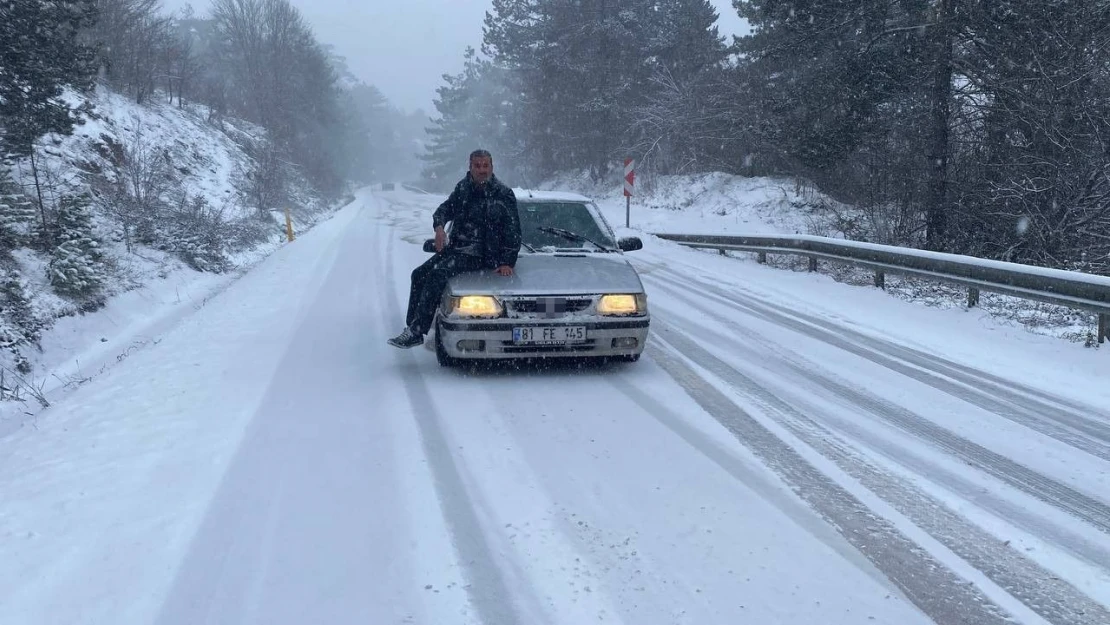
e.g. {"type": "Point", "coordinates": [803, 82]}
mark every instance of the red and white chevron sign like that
{"type": "Point", "coordinates": [629, 177]}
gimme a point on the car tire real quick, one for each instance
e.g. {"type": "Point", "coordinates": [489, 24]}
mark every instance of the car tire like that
{"type": "Point", "coordinates": [445, 359]}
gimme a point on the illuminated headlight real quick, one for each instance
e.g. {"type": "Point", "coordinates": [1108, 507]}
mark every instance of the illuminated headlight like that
{"type": "Point", "coordinates": [622, 304]}
{"type": "Point", "coordinates": [476, 306]}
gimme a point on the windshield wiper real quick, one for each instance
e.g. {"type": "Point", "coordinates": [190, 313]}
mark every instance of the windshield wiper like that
{"type": "Point", "coordinates": [573, 236]}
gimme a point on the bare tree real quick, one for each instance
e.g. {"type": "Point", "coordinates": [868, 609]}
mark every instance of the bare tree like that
{"type": "Point", "coordinates": [677, 129]}
{"type": "Point", "coordinates": [239, 31]}
{"type": "Point", "coordinates": [178, 68]}
{"type": "Point", "coordinates": [133, 35]}
{"type": "Point", "coordinates": [136, 195]}
{"type": "Point", "coordinates": [264, 182]}
{"type": "Point", "coordinates": [281, 78]}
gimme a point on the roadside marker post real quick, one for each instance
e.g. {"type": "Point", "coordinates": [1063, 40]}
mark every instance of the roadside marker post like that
{"type": "Point", "coordinates": [629, 180]}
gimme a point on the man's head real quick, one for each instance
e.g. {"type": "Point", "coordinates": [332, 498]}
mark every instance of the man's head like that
{"type": "Point", "coordinates": [481, 166]}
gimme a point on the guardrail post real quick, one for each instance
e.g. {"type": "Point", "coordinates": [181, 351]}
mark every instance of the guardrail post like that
{"type": "Point", "coordinates": [722, 252]}
{"type": "Point", "coordinates": [761, 258]}
{"type": "Point", "coordinates": [880, 280]}
{"type": "Point", "coordinates": [813, 263]}
{"type": "Point", "coordinates": [972, 297]}
{"type": "Point", "coordinates": [1103, 327]}
{"type": "Point", "coordinates": [289, 225]}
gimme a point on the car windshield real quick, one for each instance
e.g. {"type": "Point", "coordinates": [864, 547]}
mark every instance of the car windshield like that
{"type": "Point", "coordinates": [574, 217]}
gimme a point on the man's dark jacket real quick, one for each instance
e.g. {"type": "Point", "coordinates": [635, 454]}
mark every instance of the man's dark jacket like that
{"type": "Point", "coordinates": [485, 221]}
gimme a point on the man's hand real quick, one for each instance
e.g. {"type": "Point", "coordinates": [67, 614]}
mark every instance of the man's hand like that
{"type": "Point", "coordinates": [441, 239]}
{"type": "Point", "coordinates": [504, 270]}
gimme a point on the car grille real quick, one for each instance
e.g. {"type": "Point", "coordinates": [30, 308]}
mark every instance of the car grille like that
{"type": "Point", "coordinates": [551, 307]}
{"type": "Point", "coordinates": [509, 348]}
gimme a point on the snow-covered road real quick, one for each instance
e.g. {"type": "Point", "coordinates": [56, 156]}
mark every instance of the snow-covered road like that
{"type": "Point", "coordinates": [790, 451]}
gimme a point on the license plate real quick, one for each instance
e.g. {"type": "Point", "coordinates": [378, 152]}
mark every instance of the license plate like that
{"type": "Point", "coordinates": [550, 335]}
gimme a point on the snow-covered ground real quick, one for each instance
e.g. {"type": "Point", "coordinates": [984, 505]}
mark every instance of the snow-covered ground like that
{"type": "Point", "coordinates": [705, 203]}
{"type": "Point", "coordinates": [791, 450]}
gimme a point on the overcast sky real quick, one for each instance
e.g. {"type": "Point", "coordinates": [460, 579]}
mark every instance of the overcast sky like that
{"type": "Point", "coordinates": [404, 47]}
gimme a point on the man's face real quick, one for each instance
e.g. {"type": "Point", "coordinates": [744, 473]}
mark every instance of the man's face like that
{"type": "Point", "coordinates": [481, 168]}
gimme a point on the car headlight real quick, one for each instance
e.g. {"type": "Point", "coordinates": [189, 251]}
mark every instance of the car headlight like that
{"type": "Point", "coordinates": [622, 304]}
{"type": "Point", "coordinates": [476, 306]}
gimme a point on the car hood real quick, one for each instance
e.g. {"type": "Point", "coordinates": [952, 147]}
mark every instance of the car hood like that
{"type": "Point", "coordinates": [555, 274]}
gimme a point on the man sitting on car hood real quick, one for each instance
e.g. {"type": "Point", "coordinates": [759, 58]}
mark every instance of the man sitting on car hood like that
{"type": "Point", "coordinates": [485, 235]}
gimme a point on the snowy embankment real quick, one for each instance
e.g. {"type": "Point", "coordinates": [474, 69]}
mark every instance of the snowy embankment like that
{"type": "Point", "coordinates": [200, 158]}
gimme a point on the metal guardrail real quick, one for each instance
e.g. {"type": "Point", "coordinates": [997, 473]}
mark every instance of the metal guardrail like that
{"type": "Point", "coordinates": [411, 187]}
{"type": "Point", "coordinates": [1055, 286]}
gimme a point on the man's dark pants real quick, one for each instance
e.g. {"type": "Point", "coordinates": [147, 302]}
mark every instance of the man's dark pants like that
{"type": "Point", "coordinates": [428, 282]}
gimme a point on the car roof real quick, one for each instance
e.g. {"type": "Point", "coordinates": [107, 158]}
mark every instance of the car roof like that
{"type": "Point", "coordinates": [533, 195]}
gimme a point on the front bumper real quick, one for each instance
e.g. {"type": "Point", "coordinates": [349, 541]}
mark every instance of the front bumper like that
{"type": "Point", "coordinates": [493, 338]}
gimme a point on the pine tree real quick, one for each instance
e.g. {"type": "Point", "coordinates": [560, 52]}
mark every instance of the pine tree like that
{"type": "Point", "coordinates": [582, 71]}
{"type": "Point", "coordinates": [684, 37]}
{"type": "Point", "coordinates": [576, 62]}
{"type": "Point", "coordinates": [77, 268]}
{"type": "Point", "coordinates": [1041, 69]}
{"type": "Point", "coordinates": [849, 94]}
{"type": "Point", "coordinates": [475, 112]}
{"type": "Point", "coordinates": [198, 235]}
{"type": "Point", "coordinates": [273, 72]}
{"type": "Point", "coordinates": [18, 325]}
{"type": "Point", "coordinates": [824, 68]}
{"type": "Point", "coordinates": [381, 141]}
{"type": "Point", "coordinates": [448, 135]}
{"type": "Point", "coordinates": [17, 211]}
{"type": "Point", "coordinates": [676, 128]}
{"type": "Point", "coordinates": [40, 52]}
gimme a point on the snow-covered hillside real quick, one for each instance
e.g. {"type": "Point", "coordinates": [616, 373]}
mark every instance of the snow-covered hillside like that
{"type": "Point", "coordinates": [207, 154]}
{"type": "Point", "coordinates": [199, 167]}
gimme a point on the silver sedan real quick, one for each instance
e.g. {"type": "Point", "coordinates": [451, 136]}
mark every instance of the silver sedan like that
{"type": "Point", "coordinates": [573, 294]}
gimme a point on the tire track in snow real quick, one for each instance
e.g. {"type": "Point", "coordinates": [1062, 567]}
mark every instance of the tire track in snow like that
{"type": "Point", "coordinates": [487, 589]}
{"type": "Point", "coordinates": [1063, 409]}
{"type": "Point", "coordinates": [1026, 406]}
{"type": "Point", "coordinates": [1056, 600]}
{"type": "Point", "coordinates": [1021, 403]}
{"type": "Point", "coordinates": [1017, 475]}
{"type": "Point", "coordinates": [932, 587]}
{"type": "Point", "coordinates": [240, 551]}
{"type": "Point", "coordinates": [800, 372]}
{"type": "Point", "coordinates": [540, 517]}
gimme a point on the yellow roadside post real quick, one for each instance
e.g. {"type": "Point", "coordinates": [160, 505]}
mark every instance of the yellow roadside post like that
{"type": "Point", "coordinates": [289, 225]}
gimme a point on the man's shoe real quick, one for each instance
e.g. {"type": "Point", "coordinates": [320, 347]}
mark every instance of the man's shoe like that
{"type": "Point", "coordinates": [407, 339]}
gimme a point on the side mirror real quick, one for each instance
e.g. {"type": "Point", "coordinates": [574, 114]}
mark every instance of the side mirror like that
{"type": "Point", "coordinates": [630, 244]}
{"type": "Point", "coordinates": [430, 246]}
